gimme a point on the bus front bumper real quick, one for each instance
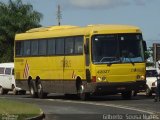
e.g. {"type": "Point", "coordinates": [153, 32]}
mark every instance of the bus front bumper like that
{"type": "Point", "coordinates": [114, 88]}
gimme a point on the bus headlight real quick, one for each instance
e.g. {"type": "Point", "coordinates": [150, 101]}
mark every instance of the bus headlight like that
{"type": "Point", "coordinates": [140, 77]}
{"type": "Point", "coordinates": [99, 79]}
{"type": "Point", "coordinates": [103, 78]}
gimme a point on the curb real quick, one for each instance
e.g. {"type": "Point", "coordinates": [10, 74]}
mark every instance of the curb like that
{"type": "Point", "coordinates": [40, 117]}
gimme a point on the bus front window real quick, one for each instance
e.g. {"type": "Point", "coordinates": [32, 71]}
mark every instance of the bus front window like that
{"type": "Point", "coordinates": [117, 48]}
{"type": "Point", "coordinates": [130, 47]}
{"type": "Point", "coordinates": [105, 49]}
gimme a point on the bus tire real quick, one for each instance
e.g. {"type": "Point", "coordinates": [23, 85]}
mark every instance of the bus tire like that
{"type": "Point", "coordinates": [40, 91]}
{"type": "Point", "coordinates": [82, 94]}
{"type": "Point", "coordinates": [127, 95]}
{"type": "Point", "coordinates": [32, 89]}
{"type": "Point", "coordinates": [1, 90]}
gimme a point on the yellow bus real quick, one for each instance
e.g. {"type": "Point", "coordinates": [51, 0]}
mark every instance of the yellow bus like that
{"type": "Point", "coordinates": [90, 60]}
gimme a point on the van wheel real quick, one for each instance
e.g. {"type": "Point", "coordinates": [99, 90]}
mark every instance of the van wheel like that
{"type": "Point", "coordinates": [5, 91]}
{"type": "Point", "coordinates": [40, 91]}
{"type": "Point", "coordinates": [1, 90]}
{"type": "Point", "coordinates": [15, 92]}
{"type": "Point", "coordinates": [148, 91]}
{"type": "Point", "coordinates": [32, 90]}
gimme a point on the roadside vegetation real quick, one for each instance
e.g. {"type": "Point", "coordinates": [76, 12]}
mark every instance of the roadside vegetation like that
{"type": "Point", "coordinates": [17, 110]}
{"type": "Point", "coordinates": [15, 17]}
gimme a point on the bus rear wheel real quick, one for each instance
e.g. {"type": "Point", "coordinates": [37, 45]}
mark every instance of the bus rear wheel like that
{"type": "Point", "coordinates": [32, 89]}
{"type": "Point", "coordinates": [40, 91]}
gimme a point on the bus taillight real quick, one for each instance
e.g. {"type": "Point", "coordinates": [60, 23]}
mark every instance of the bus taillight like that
{"type": "Point", "coordinates": [93, 78]}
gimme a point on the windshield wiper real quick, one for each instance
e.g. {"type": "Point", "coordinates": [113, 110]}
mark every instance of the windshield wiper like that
{"type": "Point", "coordinates": [124, 59]}
{"type": "Point", "coordinates": [130, 60]}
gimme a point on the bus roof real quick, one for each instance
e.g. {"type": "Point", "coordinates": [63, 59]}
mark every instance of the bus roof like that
{"type": "Point", "coordinates": [7, 65]}
{"type": "Point", "coordinates": [68, 30]}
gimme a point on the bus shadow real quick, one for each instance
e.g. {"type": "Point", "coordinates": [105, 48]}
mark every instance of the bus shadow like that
{"type": "Point", "coordinates": [98, 98]}
{"type": "Point", "coordinates": [74, 97]}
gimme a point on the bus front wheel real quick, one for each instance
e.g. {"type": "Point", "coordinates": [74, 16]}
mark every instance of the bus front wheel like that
{"type": "Point", "coordinates": [32, 89]}
{"type": "Point", "coordinates": [82, 94]}
{"type": "Point", "coordinates": [40, 91]}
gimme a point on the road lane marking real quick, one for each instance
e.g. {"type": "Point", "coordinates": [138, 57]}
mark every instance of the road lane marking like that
{"type": "Point", "coordinates": [103, 104]}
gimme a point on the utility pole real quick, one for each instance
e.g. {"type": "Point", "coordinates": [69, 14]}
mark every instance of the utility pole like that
{"type": "Point", "coordinates": [59, 15]}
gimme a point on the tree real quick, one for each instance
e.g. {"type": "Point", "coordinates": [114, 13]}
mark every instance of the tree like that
{"type": "Point", "coordinates": [15, 17]}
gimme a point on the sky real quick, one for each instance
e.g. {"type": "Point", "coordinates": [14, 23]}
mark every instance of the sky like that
{"type": "Point", "coordinates": [141, 13]}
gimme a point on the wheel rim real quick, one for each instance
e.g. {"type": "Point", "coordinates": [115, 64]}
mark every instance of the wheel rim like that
{"type": "Point", "coordinates": [148, 92]}
{"type": "Point", "coordinates": [14, 89]}
{"type": "Point", "coordinates": [39, 89]}
{"type": "Point", "coordinates": [81, 90]}
{"type": "Point", "coordinates": [32, 90]}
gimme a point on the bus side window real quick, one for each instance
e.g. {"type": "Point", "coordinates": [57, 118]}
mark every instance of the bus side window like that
{"type": "Point", "coordinates": [60, 46]}
{"type": "Point", "coordinates": [1, 70]}
{"type": "Point", "coordinates": [51, 47]}
{"type": "Point", "coordinates": [42, 47]}
{"type": "Point", "coordinates": [8, 71]}
{"type": "Point", "coordinates": [78, 45]}
{"type": "Point", "coordinates": [27, 48]}
{"type": "Point", "coordinates": [19, 48]}
{"type": "Point", "coordinates": [69, 42]}
{"type": "Point", "coordinates": [34, 47]}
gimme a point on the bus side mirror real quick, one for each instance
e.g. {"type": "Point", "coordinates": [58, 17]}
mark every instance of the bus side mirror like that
{"type": "Point", "coordinates": [144, 46]}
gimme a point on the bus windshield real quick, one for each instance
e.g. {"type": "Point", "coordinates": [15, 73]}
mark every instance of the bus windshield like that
{"type": "Point", "coordinates": [116, 48]}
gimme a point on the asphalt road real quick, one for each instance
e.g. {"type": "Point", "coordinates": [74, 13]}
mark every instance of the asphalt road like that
{"type": "Point", "coordinates": [58, 107]}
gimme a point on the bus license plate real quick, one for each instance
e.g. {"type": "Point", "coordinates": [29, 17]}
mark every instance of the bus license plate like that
{"type": "Point", "coordinates": [121, 88]}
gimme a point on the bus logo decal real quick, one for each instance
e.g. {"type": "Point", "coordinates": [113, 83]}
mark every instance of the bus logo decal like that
{"type": "Point", "coordinates": [26, 70]}
{"type": "Point", "coordinates": [73, 75]}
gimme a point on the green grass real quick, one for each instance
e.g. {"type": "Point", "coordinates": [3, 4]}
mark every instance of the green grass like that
{"type": "Point", "coordinates": [17, 110]}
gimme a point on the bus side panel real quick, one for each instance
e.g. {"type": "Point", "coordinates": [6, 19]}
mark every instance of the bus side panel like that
{"type": "Point", "coordinates": [74, 67]}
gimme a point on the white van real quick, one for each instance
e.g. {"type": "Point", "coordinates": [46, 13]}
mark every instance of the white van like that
{"type": "Point", "coordinates": [151, 79]}
{"type": "Point", "coordinates": [7, 81]}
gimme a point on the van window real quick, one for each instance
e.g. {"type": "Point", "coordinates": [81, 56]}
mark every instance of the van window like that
{"type": "Point", "coordinates": [151, 73]}
{"type": "Point", "coordinates": [12, 71]}
{"type": "Point", "coordinates": [1, 70]}
{"type": "Point", "coordinates": [8, 71]}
